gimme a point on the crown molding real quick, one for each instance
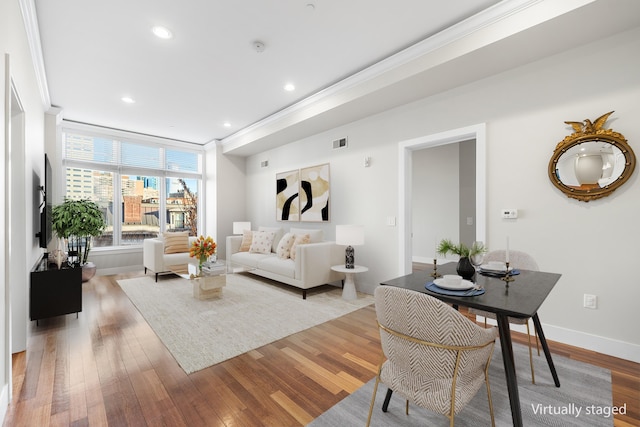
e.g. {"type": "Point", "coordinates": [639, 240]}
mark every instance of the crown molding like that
{"type": "Point", "coordinates": [126, 135]}
{"type": "Point", "coordinates": [211, 145]}
{"type": "Point", "coordinates": [30, 18]}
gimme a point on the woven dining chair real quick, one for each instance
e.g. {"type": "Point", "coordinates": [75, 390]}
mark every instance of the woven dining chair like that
{"type": "Point", "coordinates": [517, 260]}
{"type": "Point", "coordinates": [435, 357]}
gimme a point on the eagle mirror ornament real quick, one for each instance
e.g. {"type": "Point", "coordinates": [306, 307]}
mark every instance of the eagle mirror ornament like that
{"type": "Point", "coordinates": [592, 162]}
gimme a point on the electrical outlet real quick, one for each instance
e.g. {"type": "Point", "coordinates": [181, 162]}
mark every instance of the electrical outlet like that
{"type": "Point", "coordinates": [590, 301]}
{"type": "Point", "coordinates": [509, 213]}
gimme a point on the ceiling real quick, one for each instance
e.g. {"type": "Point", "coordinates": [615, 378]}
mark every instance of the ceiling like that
{"type": "Point", "coordinates": [347, 59]}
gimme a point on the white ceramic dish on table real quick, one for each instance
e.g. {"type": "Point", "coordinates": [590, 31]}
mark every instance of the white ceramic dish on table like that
{"type": "Point", "coordinates": [462, 286]}
{"type": "Point", "coordinates": [494, 267]}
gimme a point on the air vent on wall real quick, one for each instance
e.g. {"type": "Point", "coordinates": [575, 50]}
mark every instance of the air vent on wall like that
{"type": "Point", "coordinates": [264, 163]}
{"type": "Point", "coordinates": [340, 143]}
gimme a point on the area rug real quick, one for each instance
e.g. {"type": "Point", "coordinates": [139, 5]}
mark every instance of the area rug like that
{"type": "Point", "coordinates": [250, 314]}
{"type": "Point", "coordinates": [583, 399]}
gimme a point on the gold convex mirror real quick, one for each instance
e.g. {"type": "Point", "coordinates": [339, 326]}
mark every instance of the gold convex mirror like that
{"type": "Point", "coordinates": [591, 162]}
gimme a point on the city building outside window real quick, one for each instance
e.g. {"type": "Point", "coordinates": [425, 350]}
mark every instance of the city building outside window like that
{"type": "Point", "coordinates": [143, 188]}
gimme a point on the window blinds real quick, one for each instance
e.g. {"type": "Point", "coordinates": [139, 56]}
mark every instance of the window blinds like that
{"type": "Point", "coordinates": [93, 149]}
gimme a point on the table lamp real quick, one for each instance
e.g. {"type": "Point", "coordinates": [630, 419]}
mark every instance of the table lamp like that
{"type": "Point", "coordinates": [240, 226]}
{"type": "Point", "coordinates": [350, 235]}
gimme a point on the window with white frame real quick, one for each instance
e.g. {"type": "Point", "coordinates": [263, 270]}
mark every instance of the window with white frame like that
{"type": "Point", "coordinates": [143, 188]}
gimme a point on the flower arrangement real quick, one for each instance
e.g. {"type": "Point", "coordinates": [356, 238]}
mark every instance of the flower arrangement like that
{"type": "Point", "coordinates": [202, 248]}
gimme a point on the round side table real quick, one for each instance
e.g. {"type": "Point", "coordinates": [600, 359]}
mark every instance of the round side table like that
{"type": "Point", "coordinates": [349, 288]}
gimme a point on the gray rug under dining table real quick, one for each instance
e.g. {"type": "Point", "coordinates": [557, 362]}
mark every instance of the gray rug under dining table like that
{"type": "Point", "coordinates": [584, 399]}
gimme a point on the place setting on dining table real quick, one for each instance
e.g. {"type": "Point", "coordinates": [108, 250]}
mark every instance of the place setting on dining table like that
{"type": "Point", "coordinates": [465, 282]}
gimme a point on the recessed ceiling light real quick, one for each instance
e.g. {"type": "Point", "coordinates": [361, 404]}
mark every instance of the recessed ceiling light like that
{"type": "Point", "coordinates": [227, 124]}
{"type": "Point", "coordinates": [162, 32]}
{"type": "Point", "coordinates": [128, 99]}
{"type": "Point", "coordinates": [289, 87]}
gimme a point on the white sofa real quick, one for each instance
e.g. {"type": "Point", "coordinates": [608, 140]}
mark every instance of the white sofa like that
{"type": "Point", "coordinates": [310, 268]}
{"type": "Point", "coordinates": [154, 258]}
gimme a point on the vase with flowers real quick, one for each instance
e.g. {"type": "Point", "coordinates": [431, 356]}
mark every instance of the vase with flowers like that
{"type": "Point", "coordinates": [202, 248]}
{"type": "Point", "coordinates": [464, 267]}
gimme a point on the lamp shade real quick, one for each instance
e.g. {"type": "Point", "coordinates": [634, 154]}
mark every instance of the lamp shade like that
{"type": "Point", "coordinates": [350, 235]}
{"type": "Point", "coordinates": [240, 226]}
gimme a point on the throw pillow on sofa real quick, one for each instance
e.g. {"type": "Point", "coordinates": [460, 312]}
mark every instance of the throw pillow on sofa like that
{"type": "Point", "coordinates": [176, 242]}
{"type": "Point", "coordinates": [261, 242]}
{"type": "Point", "coordinates": [284, 246]}
{"type": "Point", "coordinates": [245, 245]}
{"type": "Point", "coordinates": [277, 235]}
{"type": "Point", "coordinates": [301, 239]}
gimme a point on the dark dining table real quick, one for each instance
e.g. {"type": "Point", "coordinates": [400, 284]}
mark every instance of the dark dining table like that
{"type": "Point", "coordinates": [521, 298]}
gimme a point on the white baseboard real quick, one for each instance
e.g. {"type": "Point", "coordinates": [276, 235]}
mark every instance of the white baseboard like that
{"type": "Point", "coordinates": [604, 345]}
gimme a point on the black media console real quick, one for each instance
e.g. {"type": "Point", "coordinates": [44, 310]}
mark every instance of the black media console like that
{"type": "Point", "coordinates": [54, 292]}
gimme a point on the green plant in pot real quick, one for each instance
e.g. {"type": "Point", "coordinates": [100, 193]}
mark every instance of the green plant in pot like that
{"type": "Point", "coordinates": [77, 221]}
{"type": "Point", "coordinates": [464, 267]}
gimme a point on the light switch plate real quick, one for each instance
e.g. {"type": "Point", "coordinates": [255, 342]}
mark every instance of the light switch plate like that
{"type": "Point", "coordinates": [590, 301]}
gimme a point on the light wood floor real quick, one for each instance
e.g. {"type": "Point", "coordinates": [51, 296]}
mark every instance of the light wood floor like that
{"type": "Point", "coordinates": [108, 368]}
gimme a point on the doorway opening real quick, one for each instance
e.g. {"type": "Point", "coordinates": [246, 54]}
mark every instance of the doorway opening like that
{"type": "Point", "coordinates": [407, 149]}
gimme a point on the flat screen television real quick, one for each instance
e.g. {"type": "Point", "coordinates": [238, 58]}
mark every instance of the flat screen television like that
{"type": "Point", "coordinates": [46, 207]}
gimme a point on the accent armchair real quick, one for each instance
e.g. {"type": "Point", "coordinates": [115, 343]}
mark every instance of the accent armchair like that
{"type": "Point", "coordinates": [435, 357]}
{"type": "Point", "coordinates": [158, 260]}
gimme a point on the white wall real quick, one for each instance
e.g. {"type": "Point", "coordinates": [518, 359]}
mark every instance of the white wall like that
{"type": "Point", "coordinates": [591, 244]}
{"type": "Point", "coordinates": [225, 177]}
{"type": "Point", "coordinates": [116, 261]}
{"type": "Point", "coordinates": [467, 192]}
{"type": "Point", "coordinates": [435, 201]}
{"type": "Point", "coordinates": [5, 312]}
{"type": "Point", "coordinates": [443, 197]}
{"type": "Point", "coordinates": [13, 41]}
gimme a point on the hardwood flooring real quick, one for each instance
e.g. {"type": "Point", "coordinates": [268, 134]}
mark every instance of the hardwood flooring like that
{"type": "Point", "coordinates": [108, 368]}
